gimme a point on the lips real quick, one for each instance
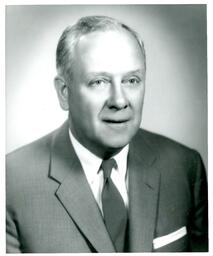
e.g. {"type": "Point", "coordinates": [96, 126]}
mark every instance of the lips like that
{"type": "Point", "coordinates": [117, 124]}
{"type": "Point", "coordinates": [116, 121]}
{"type": "Point", "coordinates": [121, 118]}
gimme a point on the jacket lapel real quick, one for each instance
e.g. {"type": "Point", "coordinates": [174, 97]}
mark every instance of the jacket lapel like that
{"type": "Point", "coordinates": [74, 192]}
{"type": "Point", "coordinates": [144, 181]}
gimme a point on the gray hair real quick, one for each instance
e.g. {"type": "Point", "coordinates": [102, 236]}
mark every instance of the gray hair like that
{"type": "Point", "coordinates": [86, 25]}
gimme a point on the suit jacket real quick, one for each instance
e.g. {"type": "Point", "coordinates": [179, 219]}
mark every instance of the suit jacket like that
{"type": "Point", "coordinates": [50, 207]}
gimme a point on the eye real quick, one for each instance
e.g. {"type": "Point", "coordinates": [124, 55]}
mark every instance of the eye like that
{"type": "Point", "coordinates": [98, 82]}
{"type": "Point", "coordinates": [132, 81]}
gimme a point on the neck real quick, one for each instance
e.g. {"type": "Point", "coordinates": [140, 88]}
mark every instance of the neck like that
{"type": "Point", "coordinates": [110, 153]}
{"type": "Point", "coordinates": [98, 150]}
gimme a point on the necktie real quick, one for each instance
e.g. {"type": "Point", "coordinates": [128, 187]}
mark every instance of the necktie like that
{"type": "Point", "coordinates": [114, 211]}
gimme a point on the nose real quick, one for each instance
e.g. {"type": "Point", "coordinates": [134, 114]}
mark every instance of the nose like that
{"type": "Point", "coordinates": [117, 99]}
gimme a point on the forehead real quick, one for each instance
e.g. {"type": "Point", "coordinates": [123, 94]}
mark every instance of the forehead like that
{"type": "Point", "coordinates": [111, 51]}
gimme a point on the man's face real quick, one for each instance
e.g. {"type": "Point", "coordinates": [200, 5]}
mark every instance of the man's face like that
{"type": "Point", "coordinates": [107, 90]}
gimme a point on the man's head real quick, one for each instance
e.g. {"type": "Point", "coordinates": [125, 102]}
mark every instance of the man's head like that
{"type": "Point", "coordinates": [101, 82]}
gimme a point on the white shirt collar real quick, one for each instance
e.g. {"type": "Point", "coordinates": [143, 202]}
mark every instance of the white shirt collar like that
{"type": "Point", "coordinates": [91, 163]}
{"type": "Point", "coordinates": [121, 160]}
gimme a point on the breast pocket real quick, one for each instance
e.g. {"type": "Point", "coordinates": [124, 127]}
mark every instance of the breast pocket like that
{"type": "Point", "coordinates": [175, 241]}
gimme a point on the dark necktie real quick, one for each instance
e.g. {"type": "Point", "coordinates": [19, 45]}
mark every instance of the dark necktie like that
{"type": "Point", "coordinates": [114, 211]}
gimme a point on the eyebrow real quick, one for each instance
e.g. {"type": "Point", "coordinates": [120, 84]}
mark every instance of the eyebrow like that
{"type": "Point", "coordinates": [103, 73]}
{"type": "Point", "coordinates": [137, 71]}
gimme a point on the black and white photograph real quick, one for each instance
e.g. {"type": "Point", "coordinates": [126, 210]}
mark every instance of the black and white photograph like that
{"type": "Point", "coordinates": [106, 128]}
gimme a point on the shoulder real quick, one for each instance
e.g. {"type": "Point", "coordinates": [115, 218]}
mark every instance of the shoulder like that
{"type": "Point", "coordinates": [172, 156]}
{"type": "Point", "coordinates": [27, 170]}
{"type": "Point", "coordinates": [33, 159]}
{"type": "Point", "coordinates": [26, 153]}
{"type": "Point", "coordinates": [162, 144]}
{"type": "Point", "coordinates": [29, 162]}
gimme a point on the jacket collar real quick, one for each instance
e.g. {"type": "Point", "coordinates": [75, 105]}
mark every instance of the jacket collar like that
{"type": "Point", "coordinates": [76, 197]}
{"type": "Point", "coordinates": [74, 192]}
{"type": "Point", "coordinates": [144, 181]}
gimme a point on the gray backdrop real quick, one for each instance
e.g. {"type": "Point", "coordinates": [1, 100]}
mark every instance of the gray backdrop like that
{"type": "Point", "coordinates": [176, 84]}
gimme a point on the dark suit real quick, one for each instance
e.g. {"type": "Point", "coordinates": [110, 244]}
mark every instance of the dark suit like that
{"type": "Point", "coordinates": [50, 207]}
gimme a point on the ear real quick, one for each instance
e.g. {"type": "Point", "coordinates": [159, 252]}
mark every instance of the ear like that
{"type": "Point", "coordinates": [62, 92]}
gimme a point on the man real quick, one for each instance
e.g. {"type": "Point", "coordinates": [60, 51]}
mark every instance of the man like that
{"type": "Point", "coordinates": [100, 183]}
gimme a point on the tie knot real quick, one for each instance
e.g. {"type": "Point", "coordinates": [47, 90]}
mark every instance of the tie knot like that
{"type": "Point", "coordinates": [107, 166]}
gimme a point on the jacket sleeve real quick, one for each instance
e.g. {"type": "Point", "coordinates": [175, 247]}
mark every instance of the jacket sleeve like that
{"type": "Point", "coordinates": [12, 238]}
{"type": "Point", "coordinates": [198, 228]}
{"type": "Point", "coordinates": [12, 233]}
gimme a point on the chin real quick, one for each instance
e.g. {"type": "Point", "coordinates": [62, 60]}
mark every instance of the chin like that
{"type": "Point", "coordinates": [118, 142]}
{"type": "Point", "coordinates": [114, 141]}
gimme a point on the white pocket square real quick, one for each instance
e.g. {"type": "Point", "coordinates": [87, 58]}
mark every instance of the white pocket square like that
{"type": "Point", "coordinates": [167, 239]}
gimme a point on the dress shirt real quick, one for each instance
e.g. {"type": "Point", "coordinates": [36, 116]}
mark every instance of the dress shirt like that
{"type": "Point", "coordinates": [91, 166]}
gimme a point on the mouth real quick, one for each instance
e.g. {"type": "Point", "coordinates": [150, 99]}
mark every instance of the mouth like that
{"type": "Point", "coordinates": [115, 121]}
{"type": "Point", "coordinates": [116, 124]}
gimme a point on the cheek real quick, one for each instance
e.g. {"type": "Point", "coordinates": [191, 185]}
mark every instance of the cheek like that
{"type": "Point", "coordinates": [87, 106]}
{"type": "Point", "coordinates": [137, 100]}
